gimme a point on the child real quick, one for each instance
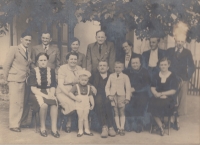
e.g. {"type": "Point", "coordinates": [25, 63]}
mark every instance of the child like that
{"type": "Point", "coordinates": [118, 89]}
{"type": "Point", "coordinates": [83, 97]}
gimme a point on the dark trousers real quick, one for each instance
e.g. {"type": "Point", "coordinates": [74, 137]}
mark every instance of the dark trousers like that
{"type": "Point", "coordinates": [103, 110]}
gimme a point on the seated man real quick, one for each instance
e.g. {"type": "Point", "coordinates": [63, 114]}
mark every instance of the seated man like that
{"type": "Point", "coordinates": [103, 107]}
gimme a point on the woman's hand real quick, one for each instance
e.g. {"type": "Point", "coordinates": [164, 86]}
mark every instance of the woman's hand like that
{"type": "Point", "coordinates": [94, 90]}
{"type": "Point", "coordinates": [163, 97]}
{"type": "Point", "coordinates": [132, 90]}
{"type": "Point", "coordinates": [157, 95]}
{"type": "Point", "coordinates": [51, 96]}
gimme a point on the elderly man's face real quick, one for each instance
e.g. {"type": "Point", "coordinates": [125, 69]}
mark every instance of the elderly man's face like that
{"type": "Point", "coordinates": [103, 67]}
{"type": "Point", "coordinates": [180, 43]}
{"type": "Point", "coordinates": [126, 47]}
{"type": "Point", "coordinates": [153, 43]}
{"type": "Point", "coordinates": [101, 37]}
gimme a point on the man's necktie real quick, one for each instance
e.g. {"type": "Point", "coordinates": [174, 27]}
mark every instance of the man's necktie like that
{"type": "Point", "coordinates": [178, 53]}
{"type": "Point", "coordinates": [45, 49]}
{"type": "Point", "coordinates": [100, 49]}
{"type": "Point", "coordinates": [27, 53]}
{"type": "Point", "coordinates": [117, 75]}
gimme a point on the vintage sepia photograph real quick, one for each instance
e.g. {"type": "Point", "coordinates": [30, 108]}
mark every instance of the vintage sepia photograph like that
{"type": "Point", "coordinates": [100, 72]}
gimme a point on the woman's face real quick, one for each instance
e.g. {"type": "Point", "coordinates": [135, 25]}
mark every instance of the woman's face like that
{"type": "Point", "coordinates": [42, 61]}
{"type": "Point", "coordinates": [135, 63]}
{"type": "Point", "coordinates": [164, 65]}
{"type": "Point", "coordinates": [72, 61]}
{"type": "Point", "coordinates": [75, 46]}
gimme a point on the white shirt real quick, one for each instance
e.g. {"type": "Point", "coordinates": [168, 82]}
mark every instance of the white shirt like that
{"type": "Point", "coordinates": [180, 50]}
{"type": "Point", "coordinates": [127, 59]}
{"type": "Point", "coordinates": [104, 75]}
{"type": "Point", "coordinates": [153, 58]}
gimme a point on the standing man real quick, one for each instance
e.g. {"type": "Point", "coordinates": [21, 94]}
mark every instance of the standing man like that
{"type": "Point", "coordinates": [152, 56]}
{"type": "Point", "coordinates": [126, 58]}
{"type": "Point", "coordinates": [100, 50]}
{"type": "Point", "coordinates": [52, 51]}
{"type": "Point", "coordinates": [103, 107]}
{"type": "Point", "coordinates": [16, 70]}
{"type": "Point", "coordinates": [182, 65]}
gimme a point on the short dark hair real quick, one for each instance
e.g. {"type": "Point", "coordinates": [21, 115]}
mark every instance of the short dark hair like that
{"type": "Point", "coordinates": [71, 53]}
{"type": "Point", "coordinates": [129, 43]}
{"type": "Point", "coordinates": [73, 40]}
{"type": "Point", "coordinates": [140, 58]}
{"type": "Point", "coordinates": [158, 39]}
{"type": "Point", "coordinates": [103, 60]}
{"type": "Point", "coordinates": [164, 59]}
{"type": "Point", "coordinates": [24, 34]}
{"type": "Point", "coordinates": [100, 31]}
{"type": "Point", "coordinates": [46, 32]}
{"type": "Point", "coordinates": [40, 54]}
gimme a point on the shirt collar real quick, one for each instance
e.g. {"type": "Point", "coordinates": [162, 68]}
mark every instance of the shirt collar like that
{"type": "Point", "coordinates": [23, 47]}
{"type": "Point", "coordinates": [181, 49]}
{"type": "Point", "coordinates": [156, 50]}
{"type": "Point", "coordinates": [119, 74]}
{"type": "Point", "coordinates": [47, 46]}
{"type": "Point", "coordinates": [129, 54]}
{"type": "Point", "coordinates": [68, 67]}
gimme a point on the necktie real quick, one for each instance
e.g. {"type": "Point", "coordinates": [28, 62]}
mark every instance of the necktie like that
{"type": "Point", "coordinates": [178, 53]}
{"type": "Point", "coordinates": [117, 75]}
{"type": "Point", "coordinates": [45, 49]}
{"type": "Point", "coordinates": [27, 53]}
{"type": "Point", "coordinates": [100, 49]}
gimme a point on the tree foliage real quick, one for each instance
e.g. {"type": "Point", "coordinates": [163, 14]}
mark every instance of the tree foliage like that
{"type": "Point", "coordinates": [147, 17]}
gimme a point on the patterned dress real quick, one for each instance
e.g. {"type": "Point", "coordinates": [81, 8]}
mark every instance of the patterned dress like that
{"type": "Point", "coordinates": [43, 79]}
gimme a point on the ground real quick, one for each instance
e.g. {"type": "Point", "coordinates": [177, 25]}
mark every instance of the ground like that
{"type": "Point", "coordinates": [188, 134]}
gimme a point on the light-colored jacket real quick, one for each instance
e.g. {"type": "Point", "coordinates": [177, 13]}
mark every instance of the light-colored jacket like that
{"type": "Point", "coordinates": [16, 66]}
{"type": "Point", "coordinates": [120, 85]}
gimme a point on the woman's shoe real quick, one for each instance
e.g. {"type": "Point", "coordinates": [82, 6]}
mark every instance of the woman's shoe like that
{"type": "Point", "coordinates": [43, 133]}
{"type": "Point", "coordinates": [79, 135]}
{"type": "Point", "coordinates": [162, 132]}
{"type": "Point", "coordinates": [90, 134]}
{"type": "Point", "coordinates": [68, 129]}
{"type": "Point", "coordinates": [56, 135]}
{"type": "Point", "coordinates": [118, 131]}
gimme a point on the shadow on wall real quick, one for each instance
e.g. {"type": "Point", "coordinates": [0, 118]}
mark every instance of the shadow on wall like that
{"type": "Point", "coordinates": [3, 87]}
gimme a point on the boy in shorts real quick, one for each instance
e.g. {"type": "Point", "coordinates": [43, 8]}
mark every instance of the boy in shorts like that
{"type": "Point", "coordinates": [118, 89]}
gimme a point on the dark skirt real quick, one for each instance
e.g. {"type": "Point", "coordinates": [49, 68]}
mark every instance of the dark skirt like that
{"type": "Point", "coordinates": [36, 101]}
{"type": "Point", "coordinates": [161, 107]}
{"type": "Point", "coordinates": [137, 104]}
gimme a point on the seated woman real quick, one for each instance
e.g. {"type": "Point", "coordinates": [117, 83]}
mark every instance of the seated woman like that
{"type": "Point", "coordinates": [42, 82]}
{"type": "Point", "coordinates": [163, 87]}
{"type": "Point", "coordinates": [140, 83]}
{"type": "Point", "coordinates": [67, 78]}
{"type": "Point", "coordinates": [75, 44]}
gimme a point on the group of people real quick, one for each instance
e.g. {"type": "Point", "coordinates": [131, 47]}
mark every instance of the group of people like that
{"type": "Point", "coordinates": [116, 89]}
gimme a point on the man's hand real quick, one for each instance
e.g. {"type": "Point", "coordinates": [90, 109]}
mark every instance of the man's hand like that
{"type": "Point", "coordinates": [132, 90]}
{"type": "Point", "coordinates": [78, 100]}
{"type": "Point", "coordinates": [111, 98]}
{"type": "Point", "coordinates": [91, 107]}
{"type": "Point", "coordinates": [126, 101]}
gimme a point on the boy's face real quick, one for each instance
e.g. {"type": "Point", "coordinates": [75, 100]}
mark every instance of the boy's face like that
{"type": "Point", "coordinates": [119, 67]}
{"type": "Point", "coordinates": [83, 80]}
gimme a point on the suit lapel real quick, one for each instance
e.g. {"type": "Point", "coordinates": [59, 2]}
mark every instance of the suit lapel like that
{"type": "Point", "coordinates": [96, 50]}
{"type": "Point", "coordinates": [103, 50]}
{"type": "Point", "coordinates": [50, 50]}
{"type": "Point", "coordinates": [22, 52]}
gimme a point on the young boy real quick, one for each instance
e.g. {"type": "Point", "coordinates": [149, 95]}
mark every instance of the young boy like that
{"type": "Point", "coordinates": [118, 89]}
{"type": "Point", "coordinates": [82, 94]}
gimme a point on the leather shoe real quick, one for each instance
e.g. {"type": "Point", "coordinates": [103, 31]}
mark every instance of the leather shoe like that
{"type": "Point", "coordinates": [176, 125]}
{"type": "Point", "coordinates": [17, 129]}
{"type": "Point", "coordinates": [90, 134]}
{"type": "Point", "coordinates": [79, 135]}
{"type": "Point", "coordinates": [56, 135]}
{"type": "Point", "coordinates": [43, 133]}
{"type": "Point", "coordinates": [68, 129]}
{"type": "Point", "coordinates": [162, 132]}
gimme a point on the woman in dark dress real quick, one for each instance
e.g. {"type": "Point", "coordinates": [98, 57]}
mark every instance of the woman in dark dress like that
{"type": "Point", "coordinates": [163, 87]}
{"type": "Point", "coordinates": [140, 83]}
{"type": "Point", "coordinates": [42, 82]}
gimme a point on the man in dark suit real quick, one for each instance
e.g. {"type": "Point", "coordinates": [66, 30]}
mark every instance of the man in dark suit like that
{"type": "Point", "coordinates": [100, 50]}
{"type": "Point", "coordinates": [182, 65]}
{"type": "Point", "coordinates": [103, 107]}
{"type": "Point", "coordinates": [52, 51]}
{"type": "Point", "coordinates": [152, 56]}
{"type": "Point", "coordinates": [16, 70]}
{"type": "Point", "coordinates": [128, 54]}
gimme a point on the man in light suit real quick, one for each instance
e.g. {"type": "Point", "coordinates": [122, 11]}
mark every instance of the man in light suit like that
{"type": "Point", "coordinates": [16, 70]}
{"type": "Point", "coordinates": [151, 57]}
{"type": "Point", "coordinates": [100, 50]}
{"type": "Point", "coordinates": [52, 51]}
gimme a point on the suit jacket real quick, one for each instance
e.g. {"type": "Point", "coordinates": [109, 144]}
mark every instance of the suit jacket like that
{"type": "Point", "coordinates": [93, 57]}
{"type": "Point", "coordinates": [16, 66]}
{"type": "Point", "coordinates": [183, 65]}
{"type": "Point", "coordinates": [122, 59]}
{"type": "Point", "coordinates": [81, 60]}
{"type": "Point", "coordinates": [146, 56]}
{"type": "Point", "coordinates": [120, 85]}
{"type": "Point", "coordinates": [54, 56]}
